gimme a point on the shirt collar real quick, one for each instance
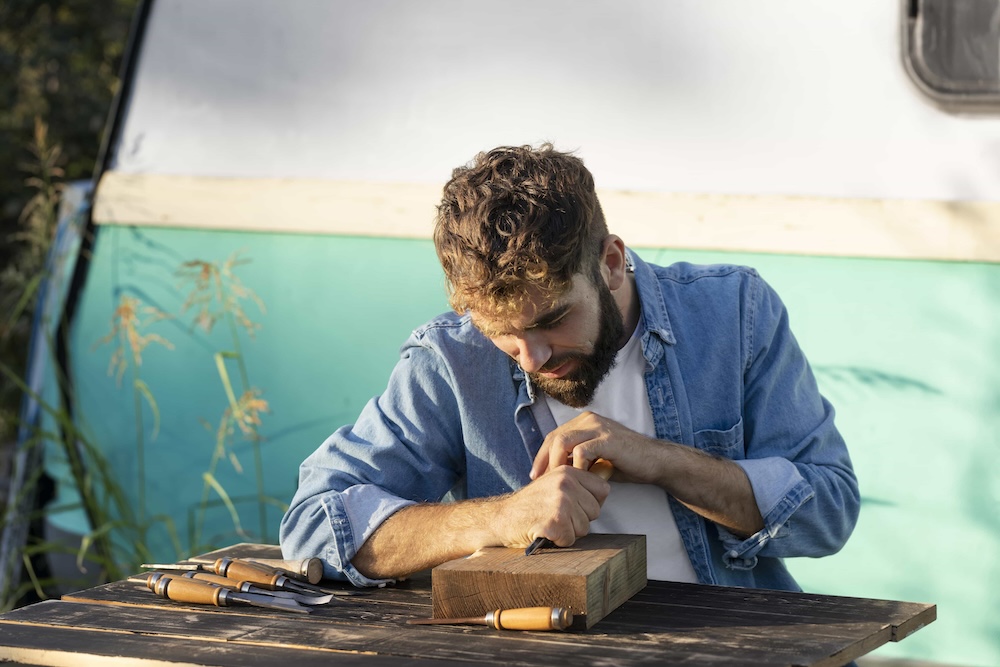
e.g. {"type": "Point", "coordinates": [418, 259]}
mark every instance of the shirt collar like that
{"type": "Point", "coordinates": [652, 306]}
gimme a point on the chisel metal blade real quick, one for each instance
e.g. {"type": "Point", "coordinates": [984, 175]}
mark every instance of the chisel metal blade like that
{"type": "Point", "coordinates": [184, 567]}
{"type": "Point", "coordinates": [267, 601]}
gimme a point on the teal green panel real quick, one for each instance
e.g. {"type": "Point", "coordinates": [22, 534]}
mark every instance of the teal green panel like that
{"type": "Point", "coordinates": [336, 310]}
{"type": "Point", "coordinates": [906, 351]}
{"type": "Point", "coordinates": [909, 354]}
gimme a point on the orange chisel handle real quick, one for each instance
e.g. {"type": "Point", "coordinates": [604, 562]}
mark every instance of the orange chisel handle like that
{"type": "Point", "coordinates": [241, 570]}
{"type": "Point", "coordinates": [310, 569]}
{"type": "Point", "coordinates": [181, 589]}
{"type": "Point", "coordinates": [152, 577]}
{"type": "Point", "coordinates": [602, 469]}
{"type": "Point", "coordinates": [530, 618]}
{"type": "Point", "coordinates": [216, 579]}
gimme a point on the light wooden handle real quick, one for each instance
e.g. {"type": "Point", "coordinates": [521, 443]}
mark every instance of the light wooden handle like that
{"type": "Point", "coordinates": [532, 618]}
{"type": "Point", "coordinates": [154, 577]}
{"type": "Point", "coordinates": [243, 571]}
{"type": "Point", "coordinates": [309, 569]}
{"type": "Point", "coordinates": [216, 579]}
{"type": "Point", "coordinates": [602, 469]}
{"type": "Point", "coordinates": [188, 590]}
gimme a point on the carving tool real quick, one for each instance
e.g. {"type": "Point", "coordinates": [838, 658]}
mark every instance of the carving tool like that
{"type": "Point", "coordinates": [526, 618]}
{"type": "Point", "coordinates": [180, 589]}
{"type": "Point", "coordinates": [308, 569]}
{"type": "Point", "coordinates": [255, 573]}
{"type": "Point", "coordinates": [247, 587]}
{"type": "Point", "coordinates": [599, 467]}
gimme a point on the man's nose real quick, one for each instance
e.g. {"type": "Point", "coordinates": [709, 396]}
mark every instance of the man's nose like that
{"type": "Point", "coordinates": [532, 352]}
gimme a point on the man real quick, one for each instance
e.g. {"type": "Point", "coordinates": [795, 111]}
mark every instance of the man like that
{"type": "Point", "coordinates": [565, 348]}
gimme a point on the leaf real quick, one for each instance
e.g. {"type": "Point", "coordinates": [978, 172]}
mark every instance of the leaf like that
{"type": "Point", "coordinates": [211, 481]}
{"type": "Point", "coordinates": [29, 291]}
{"type": "Point", "coordinates": [220, 364]}
{"type": "Point", "coordinates": [143, 389]}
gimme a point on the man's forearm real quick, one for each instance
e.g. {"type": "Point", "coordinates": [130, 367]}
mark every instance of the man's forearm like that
{"type": "Point", "coordinates": [422, 536]}
{"type": "Point", "coordinates": [715, 488]}
{"type": "Point", "coordinates": [560, 507]}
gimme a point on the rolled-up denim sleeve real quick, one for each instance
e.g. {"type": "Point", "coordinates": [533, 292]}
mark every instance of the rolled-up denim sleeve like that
{"type": "Point", "coordinates": [405, 448]}
{"type": "Point", "coordinates": [795, 458]}
{"type": "Point", "coordinates": [334, 525]}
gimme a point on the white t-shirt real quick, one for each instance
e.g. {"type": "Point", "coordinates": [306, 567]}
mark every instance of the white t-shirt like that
{"type": "Point", "coordinates": [636, 509]}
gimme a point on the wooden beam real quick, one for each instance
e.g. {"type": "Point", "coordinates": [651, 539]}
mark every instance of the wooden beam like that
{"type": "Point", "coordinates": [796, 225]}
{"type": "Point", "coordinates": [592, 578]}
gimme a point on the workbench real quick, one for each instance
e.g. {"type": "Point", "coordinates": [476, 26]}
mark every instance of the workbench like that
{"type": "Point", "coordinates": [665, 623]}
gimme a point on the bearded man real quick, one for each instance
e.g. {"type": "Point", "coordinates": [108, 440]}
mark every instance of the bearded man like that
{"type": "Point", "coordinates": [565, 347]}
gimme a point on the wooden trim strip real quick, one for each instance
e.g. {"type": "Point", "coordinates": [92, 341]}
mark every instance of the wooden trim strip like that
{"type": "Point", "coordinates": [797, 225]}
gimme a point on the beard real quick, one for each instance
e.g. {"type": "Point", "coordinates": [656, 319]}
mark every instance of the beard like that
{"type": "Point", "coordinates": [577, 388]}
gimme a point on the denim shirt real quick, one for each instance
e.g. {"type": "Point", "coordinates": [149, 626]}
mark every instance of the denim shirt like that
{"type": "Point", "coordinates": [723, 374]}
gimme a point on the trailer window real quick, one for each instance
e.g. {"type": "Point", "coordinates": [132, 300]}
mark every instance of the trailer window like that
{"type": "Point", "coordinates": [951, 49]}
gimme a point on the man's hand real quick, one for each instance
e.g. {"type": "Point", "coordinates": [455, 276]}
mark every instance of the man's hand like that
{"type": "Point", "coordinates": [559, 506]}
{"type": "Point", "coordinates": [587, 437]}
{"type": "Point", "coordinates": [715, 488]}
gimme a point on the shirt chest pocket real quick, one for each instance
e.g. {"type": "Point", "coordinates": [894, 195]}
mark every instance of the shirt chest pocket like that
{"type": "Point", "coordinates": [726, 443]}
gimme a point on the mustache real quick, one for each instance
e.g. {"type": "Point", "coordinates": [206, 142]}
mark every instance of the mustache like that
{"type": "Point", "coordinates": [553, 364]}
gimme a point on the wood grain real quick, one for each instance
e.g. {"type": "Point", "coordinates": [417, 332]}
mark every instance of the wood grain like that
{"type": "Point", "coordinates": [123, 623]}
{"type": "Point", "coordinates": [592, 578]}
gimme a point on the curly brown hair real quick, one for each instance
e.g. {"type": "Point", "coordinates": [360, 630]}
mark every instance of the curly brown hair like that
{"type": "Point", "coordinates": [517, 217]}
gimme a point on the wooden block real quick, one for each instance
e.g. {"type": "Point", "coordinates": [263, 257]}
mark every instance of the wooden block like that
{"type": "Point", "coordinates": [592, 578]}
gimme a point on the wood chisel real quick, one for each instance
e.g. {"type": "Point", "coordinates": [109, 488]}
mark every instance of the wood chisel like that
{"type": "Point", "coordinates": [255, 573]}
{"type": "Point", "coordinates": [180, 589]}
{"type": "Point", "coordinates": [307, 569]}
{"type": "Point", "coordinates": [247, 587]}
{"type": "Point", "coordinates": [526, 618]}
{"type": "Point", "coordinates": [599, 467]}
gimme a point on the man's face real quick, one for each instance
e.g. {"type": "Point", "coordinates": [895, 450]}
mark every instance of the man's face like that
{"type": "Point", "coordinates": [567, 346]}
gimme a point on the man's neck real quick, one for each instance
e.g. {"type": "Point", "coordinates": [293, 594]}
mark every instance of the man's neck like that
{"type": "Point", "coordinates": [628, 301]}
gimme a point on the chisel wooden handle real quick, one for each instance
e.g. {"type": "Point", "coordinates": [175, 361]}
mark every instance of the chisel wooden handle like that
{"type": "Point", "coordinates": [151, 578]}
{"type": "Point", "coordinates": [530, 618]}
{"type": "Point", "coordinates": [216, 579]}
{"type": "Point", "coordinates": [241, 570]}
{"type": "Point", "coordinates": [308, 569]}
{"type": "Point", "coordinates": [602, 469]}
{"type": "Point", "coordinates": [181, 589]}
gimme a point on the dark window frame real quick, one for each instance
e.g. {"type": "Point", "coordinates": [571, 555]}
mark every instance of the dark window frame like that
{"type": "Point", "coordinates": [951, 51]}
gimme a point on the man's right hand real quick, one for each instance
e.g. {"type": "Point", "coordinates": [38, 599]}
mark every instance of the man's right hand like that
{"type": "Point", "coordinates": [559, 505]}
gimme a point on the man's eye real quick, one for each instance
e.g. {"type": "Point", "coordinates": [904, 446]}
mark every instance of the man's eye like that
{"type": "Point", "coordinates": [551, 324]}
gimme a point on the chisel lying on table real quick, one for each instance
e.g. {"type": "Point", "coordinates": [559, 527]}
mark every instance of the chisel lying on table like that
{"type": "Point", "coordinates": [181, 589]}
{"type": "Point", "coordinates": [248, 587]}
{"type": "Point", "coordinates": [527, 618]}
{"type": "Point", "coordinates": [254, 573]}
{"type": "Point", "coordinates": [308, 569]}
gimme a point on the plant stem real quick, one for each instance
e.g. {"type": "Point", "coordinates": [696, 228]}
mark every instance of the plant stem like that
{"type": "Point", "coordinates": [255, 440]}
{"type": "Point", "coordinates": [140, 447]}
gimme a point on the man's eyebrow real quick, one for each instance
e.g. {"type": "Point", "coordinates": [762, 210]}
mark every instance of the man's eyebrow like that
{"type": "Point", "coordinates": [545, 319]}
{"type": "Point", "coordinates": [549, 317]}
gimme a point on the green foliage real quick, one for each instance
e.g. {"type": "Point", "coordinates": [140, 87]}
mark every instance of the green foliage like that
{"type": "Point", "coordinates": [59, 62]}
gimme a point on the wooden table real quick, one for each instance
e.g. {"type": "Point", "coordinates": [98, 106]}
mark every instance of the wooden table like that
{"type": "Point", "coordinates": [666, 623]}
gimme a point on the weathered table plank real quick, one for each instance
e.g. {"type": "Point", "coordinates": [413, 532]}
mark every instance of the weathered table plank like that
{"type": "Point", "coordinates": [664, 623]}
{"type": "Point", "coordinates": [71, 647]}
{"type": "Point", "coordinates": [387, 636]}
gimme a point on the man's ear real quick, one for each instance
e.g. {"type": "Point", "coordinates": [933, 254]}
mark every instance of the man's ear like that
{"type": "Point", "coordinates": [613, 265]}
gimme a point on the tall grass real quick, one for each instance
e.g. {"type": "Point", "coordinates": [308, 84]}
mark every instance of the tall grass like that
{"type": "Point", "coordinates": [117, 508]}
